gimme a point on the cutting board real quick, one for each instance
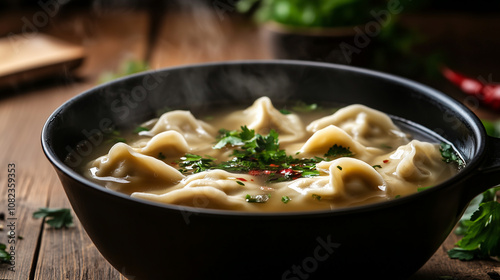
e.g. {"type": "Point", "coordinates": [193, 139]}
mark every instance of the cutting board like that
{"type": "Point", "coordinates": [26, 58]}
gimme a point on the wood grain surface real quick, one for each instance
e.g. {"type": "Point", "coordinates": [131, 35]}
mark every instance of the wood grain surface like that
{"type": "Point", "coordinates": [188, 35]}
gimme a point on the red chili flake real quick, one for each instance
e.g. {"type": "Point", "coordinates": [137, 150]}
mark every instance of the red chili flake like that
{"type": "Point", "coordinates": [386, 161]}
{"type": "Point", "coordinates": [286, 171]}
{"type": "Point", "coordinates": [273, 165]}
{"type": "Point", "coordinates": [267, 172]}
{"type": "Point", "coordinates": [242, 179]}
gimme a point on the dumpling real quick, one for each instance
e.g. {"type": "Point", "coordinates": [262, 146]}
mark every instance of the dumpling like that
{"type": "Point", "coordinates": [126, 170]}
{"type": "Point", "coordinates": [209, 189]}
{"type": "Point", "coordinates": [417, 164]}
{"type": "Point", "coordinates": [347, 180]}
{"type": "Point", "coordinates": [322, 140]}
{"type": "Point", "coordinates": [222, 180]}
{"type": "Point", "coordinates": [193, 130]}
{"type": "Point", "coordinates": [202, 197]}
{"type": "Point", "coordinates": [370, 127]}
{"type": "Point", "coordinates": [166, 144]}
{"type": "Point", "coordinates": [262, 117]}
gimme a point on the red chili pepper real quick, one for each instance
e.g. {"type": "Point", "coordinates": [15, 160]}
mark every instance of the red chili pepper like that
{"type": "Point", "coordinates": [487, 93]}
{"type": "Point", "coordinates": [385, 160]}
{"type": "Point", "coordinates": [242, 179]}
{"type": "Point", "coordinates": [286, 170]}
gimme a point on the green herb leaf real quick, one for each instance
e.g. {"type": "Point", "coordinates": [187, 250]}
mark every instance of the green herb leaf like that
{"type": "Point", "coordinates": [285, 199]}
{"type": "Point", "coordinates": [194, 163]}
{"type": "Point", "coordinates": [140, 128]}
{"type": "Point", "coordinates": [423, 188]}
{"type": "Point", "coordinates": [260, 198]}
{"type": "Point", "coordinates": [127, 68]}
{"type": "Point", "coordinates": [57, 217]}
{"type": "Point", "coordinates": [4, 255]}
{"type": "Point", "coordinates": [315, 196]}
{"type": "Point", "coordinates": [449, 155]}
{"type": "Point", "coordinates": [304, 108]}
{"type": "Point", "coordinates": [463, 255]}
{"type": "Point", "coordinates": [337, 151]}
{"type": "Point", "coordinates": [481, 229]}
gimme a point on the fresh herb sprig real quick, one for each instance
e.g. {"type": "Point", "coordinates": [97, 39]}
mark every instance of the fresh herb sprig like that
{"type": "Point", "coordinates": [194, 163]}
{"type": "Point", "coordinates": [481, 231]}
{"type": "Point", "coordinates": [259, 155]}
{"type": "Point", "coordinates": [56, 217]}
{"type": "Point", "coordinates": [4, 255]}
{"type": "Point", "coordinates": [480, 224]}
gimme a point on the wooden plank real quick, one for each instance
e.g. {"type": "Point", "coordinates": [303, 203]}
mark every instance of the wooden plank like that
{"type": "Point", "coordinates": [69, 253]}
{"type": "Point", "coordinates": [21, 118]}
{"type": "Point", "coordinates": [109, 39]}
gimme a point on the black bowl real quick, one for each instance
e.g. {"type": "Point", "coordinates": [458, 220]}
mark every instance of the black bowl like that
{"type": "Point", "coordinates": [147, 240]}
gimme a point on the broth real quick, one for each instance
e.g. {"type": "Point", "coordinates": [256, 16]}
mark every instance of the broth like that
{"type": "Point", "coordinates": [265, 159]}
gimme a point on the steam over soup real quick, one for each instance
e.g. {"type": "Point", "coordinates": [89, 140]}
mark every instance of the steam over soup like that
{"type": "Point", "coordinates": [264, 159]}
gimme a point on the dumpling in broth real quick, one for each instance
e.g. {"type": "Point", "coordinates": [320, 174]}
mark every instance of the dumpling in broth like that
{"type": "Point", "coordinates": [370, 127]}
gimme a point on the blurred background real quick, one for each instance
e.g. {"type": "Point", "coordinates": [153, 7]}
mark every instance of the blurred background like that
{"type": "Point", "coordinates": [104, 39]}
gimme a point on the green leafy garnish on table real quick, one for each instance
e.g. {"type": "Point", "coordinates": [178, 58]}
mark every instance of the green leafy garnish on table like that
{"type": "Point", "coordinates": [481, 232]}
{"type": "Point", "coordinates": [4, 255]}
{"type": "Point", "coordinates": [56, 217]}
{"type": "Point", "coordinates": [480, 224]}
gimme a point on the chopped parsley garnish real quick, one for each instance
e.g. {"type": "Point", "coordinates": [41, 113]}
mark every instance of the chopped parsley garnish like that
{"type": "Point", "coordinates": [140, 128]}
{"type": "Point", "coordinates": [258, 155]}
{"type": "Point", "coordinates": [260, 198]}
{"type": "Point", "coordinates": [423, 188]}
{"type": "Point", "coordinates": [315, 196]}
{"type": "Point", "coordinates": [190, 163]}
{"type": "Point", "coordinates": [304, 108]}
{"type": "Point", "coordinates": [240, 183]}
{"type": "Point", "coordinates": [285, 112]}
{"type": "Point", "coordinates": [339, 167]}
{"type": "Point", "coordinates": [377, 166]}
{"type": "Point", "coordinates": [116, 137]}
{"type": "Point", "coordinates": [449, 155]}
{"type": "Point", "coordinates": [285, 199]}
{"type": "Point", "coordinates": [161, 156]}
{"type": "Point", "coordinates": [338, 151]}
{"type": "Point", "coordinates": [480, 228]}
{"type": "Point", "coordinates": [57, 217]}
{"type": "Point", "coordinates": [4, 255]}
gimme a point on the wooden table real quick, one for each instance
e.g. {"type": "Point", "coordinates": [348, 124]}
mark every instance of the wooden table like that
{"type": "Point", "coordinates": [189, 36]}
